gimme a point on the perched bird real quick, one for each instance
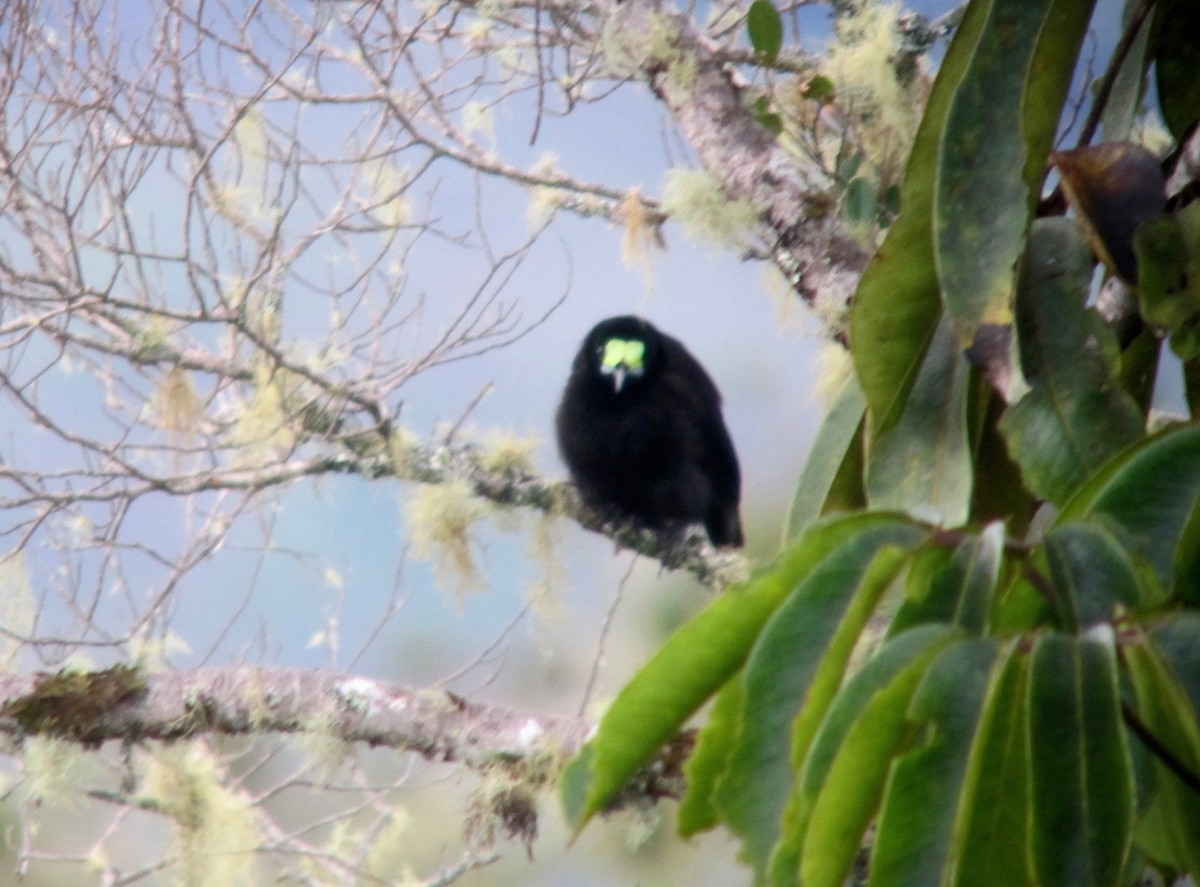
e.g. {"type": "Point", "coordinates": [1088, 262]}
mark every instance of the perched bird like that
{"type": "Point", "coordinates": [640, 429]}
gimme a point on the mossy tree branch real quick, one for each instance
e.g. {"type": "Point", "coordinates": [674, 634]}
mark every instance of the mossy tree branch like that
{"type": "Point", "coordinates": [242, 701]}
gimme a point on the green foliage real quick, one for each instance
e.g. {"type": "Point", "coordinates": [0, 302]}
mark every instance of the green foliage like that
{"type": "Point", "coordinates": [765, 29]}
{"type": "Point", "coordinates": [976, 659]}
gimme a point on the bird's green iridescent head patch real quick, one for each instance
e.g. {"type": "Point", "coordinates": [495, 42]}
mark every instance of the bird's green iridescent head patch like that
{"type": "Point", "coordinates": [628, 353]}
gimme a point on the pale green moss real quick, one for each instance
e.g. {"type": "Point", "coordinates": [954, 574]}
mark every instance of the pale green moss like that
{"type": "Point", "coordinates": [176, 405]}
{"type": "Point", "coordinates": [320, 740]}
{"type": "Point", "coordinates": [263, 430]}
{"type": "Point", "coordinates": [695, 199]}
{"type": "Point", "coordinates": [504, 451]}
{"type": "Point", "coordinates": [54, 771]}
{"type": "Point", "coordinates": [390, 848]}
{"type": "Point", "coordinates": [216, 832]}
{"type": "Point", "coordinates": [861, 63]}
{"type": "Point", "coordinates": [654, 43]}
{"type": "Point", "coordinates": [439, 518]}
{"type": "Point", "coordinates": [639, 238]}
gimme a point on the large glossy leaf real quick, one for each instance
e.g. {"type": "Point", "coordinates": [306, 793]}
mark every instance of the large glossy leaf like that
{"type": "Point", "coordinates": [1176, 60]}
{"type": "Point", "coordinates": [794, 671]}
{"type": "Point", "coordinates": [697, 660]}
{"type": "Point", "coordinates": [1075, 415]}
{"type": "Point", "coordinates": [955, 587]}
{"type": "Point", "coordinates": [922, 464]}
{"type": "Point", "coordinates": [1082, 794]}
{"type": "Point", "coordinates": [1177, 638]}
{"type": "Point", "coordinates": [991, 847]}
{"type": "Point", "coordinates": [898, 303]}
{"type": "Point", "coordinates": [928, 788]}
{"type": "Point", "coordinates": [1049, 82]}
{"type": "Point", "coordinates": [1168, 256]}
{"type": "Point", "coordinates": [1125, 97]}
{"type": "Point", "coordinates": [983, 202]}
{"type": "Point", "coordinates": [1093, 573]}
{"type": "Point", "coordinates": [1166, 711]}
{"type": "Point", "coordinates": [1149, 494]}
{"type": "Point", "coordinates": [842, 778]}
{"type": "Point", "coordinates": [710, 759]}
{"type": "Point", "coordinates": [823, 472]}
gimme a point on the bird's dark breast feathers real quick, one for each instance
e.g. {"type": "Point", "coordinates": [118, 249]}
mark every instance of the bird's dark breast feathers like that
{"type": "Point", "coordinates": [645, 458]}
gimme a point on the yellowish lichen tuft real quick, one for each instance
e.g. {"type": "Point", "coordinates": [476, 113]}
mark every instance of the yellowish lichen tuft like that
{"type": "Point", "coordinates": [478, 118]}
{"type": "Point", "coordinates": [652, 43]}
{"type": "Point", "coordinates": [886, 110]}
{"type": "Point", "coordinates": [833, 369]}
{"type": "Point", "coordinates": [638, 240]}
{"type": "Point", "coordinates": [325, 747]}
{"type": "Point", "coordinates": [505, 451]}
{"type": "Point", "coordinates": [695, 200]}
{"type": "Point", "coordinates": [263, 430]}
{"type": "Point", "coordinates": [390, 848]}
{"type": "Point", "coordinates": [440, 518]}
{"type": "Point", "coordinates": [402, 447]}
{"type": "Point", "coordinates": [544, 200]}
{"type": "Point", "coordinates": [176, 405]}
{"type": "Point", "coordinates": [54, 771]}
{"type": "Point", "coordinates": [216, 832]}
{"type": "Point", "coordinates": [545, 592]}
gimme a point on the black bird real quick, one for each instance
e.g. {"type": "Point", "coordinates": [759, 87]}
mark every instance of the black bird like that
{"type": "Point", "coordinates": [640, 429]}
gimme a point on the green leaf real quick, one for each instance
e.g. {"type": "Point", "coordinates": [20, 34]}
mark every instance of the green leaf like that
{"type": "Point", "coordinates": [922, 465]}
{"type": "Point", "coordinates": [767, 119]}
{"type": "Point", "coordinates": [765, 29]}
{"type": "Point", "coordinates": [793, 673]}
{"type": "Point", "coordinates": [898, 303]}
{"type": "Point", "coordinates": [1148, 494]}
{"type": "Point", "coordinates": [819, 89]}
{"type": "Point", "coordinates": [1168, 259]}
{"type": "Point", "coordinates": [955, 587]}
{"type": "Point", "coordinates": [859, 203]}
{"type": "Point", "coordinates": [1093, 573]}
{"type": "Point", "coordinates": [1176, 60]}
{"type": "Point", "coordinates": [842, 778]}
{"type": "Point", "coordinates": [694, 663]}
{"type": "Point", "coordinates": [1075, 415]}
{"type": "Point", "coordinates": [1177, 637]}
{"type": "Point", "coordinates": [1082, 794]}
{"type": "Point", "coordinates": [822, 472]}
{"type": "Point", "coordinates": [983, 202]}
{"type": "Point", "coordinates": [915, 845]}
{"type": "Point", "coordinates": [710, 759]}
{"type": "Point", "coordinates": [1049, 82]}
{"type": "Point", "coordinates": [992, 849]}
{"type": "Point", "coordinates": [1125, 97]}
{"type": "Point", "coordinates": [1164, 707]}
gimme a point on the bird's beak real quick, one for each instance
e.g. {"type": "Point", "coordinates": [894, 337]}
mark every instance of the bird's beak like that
{"type": "Point", "coordinates": [618, 375]}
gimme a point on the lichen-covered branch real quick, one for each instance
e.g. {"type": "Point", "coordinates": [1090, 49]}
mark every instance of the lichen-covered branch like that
{"type": "Point", "coordinates": [706, 98]}
{"type": "Point", "coordinates": [436, 724]}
